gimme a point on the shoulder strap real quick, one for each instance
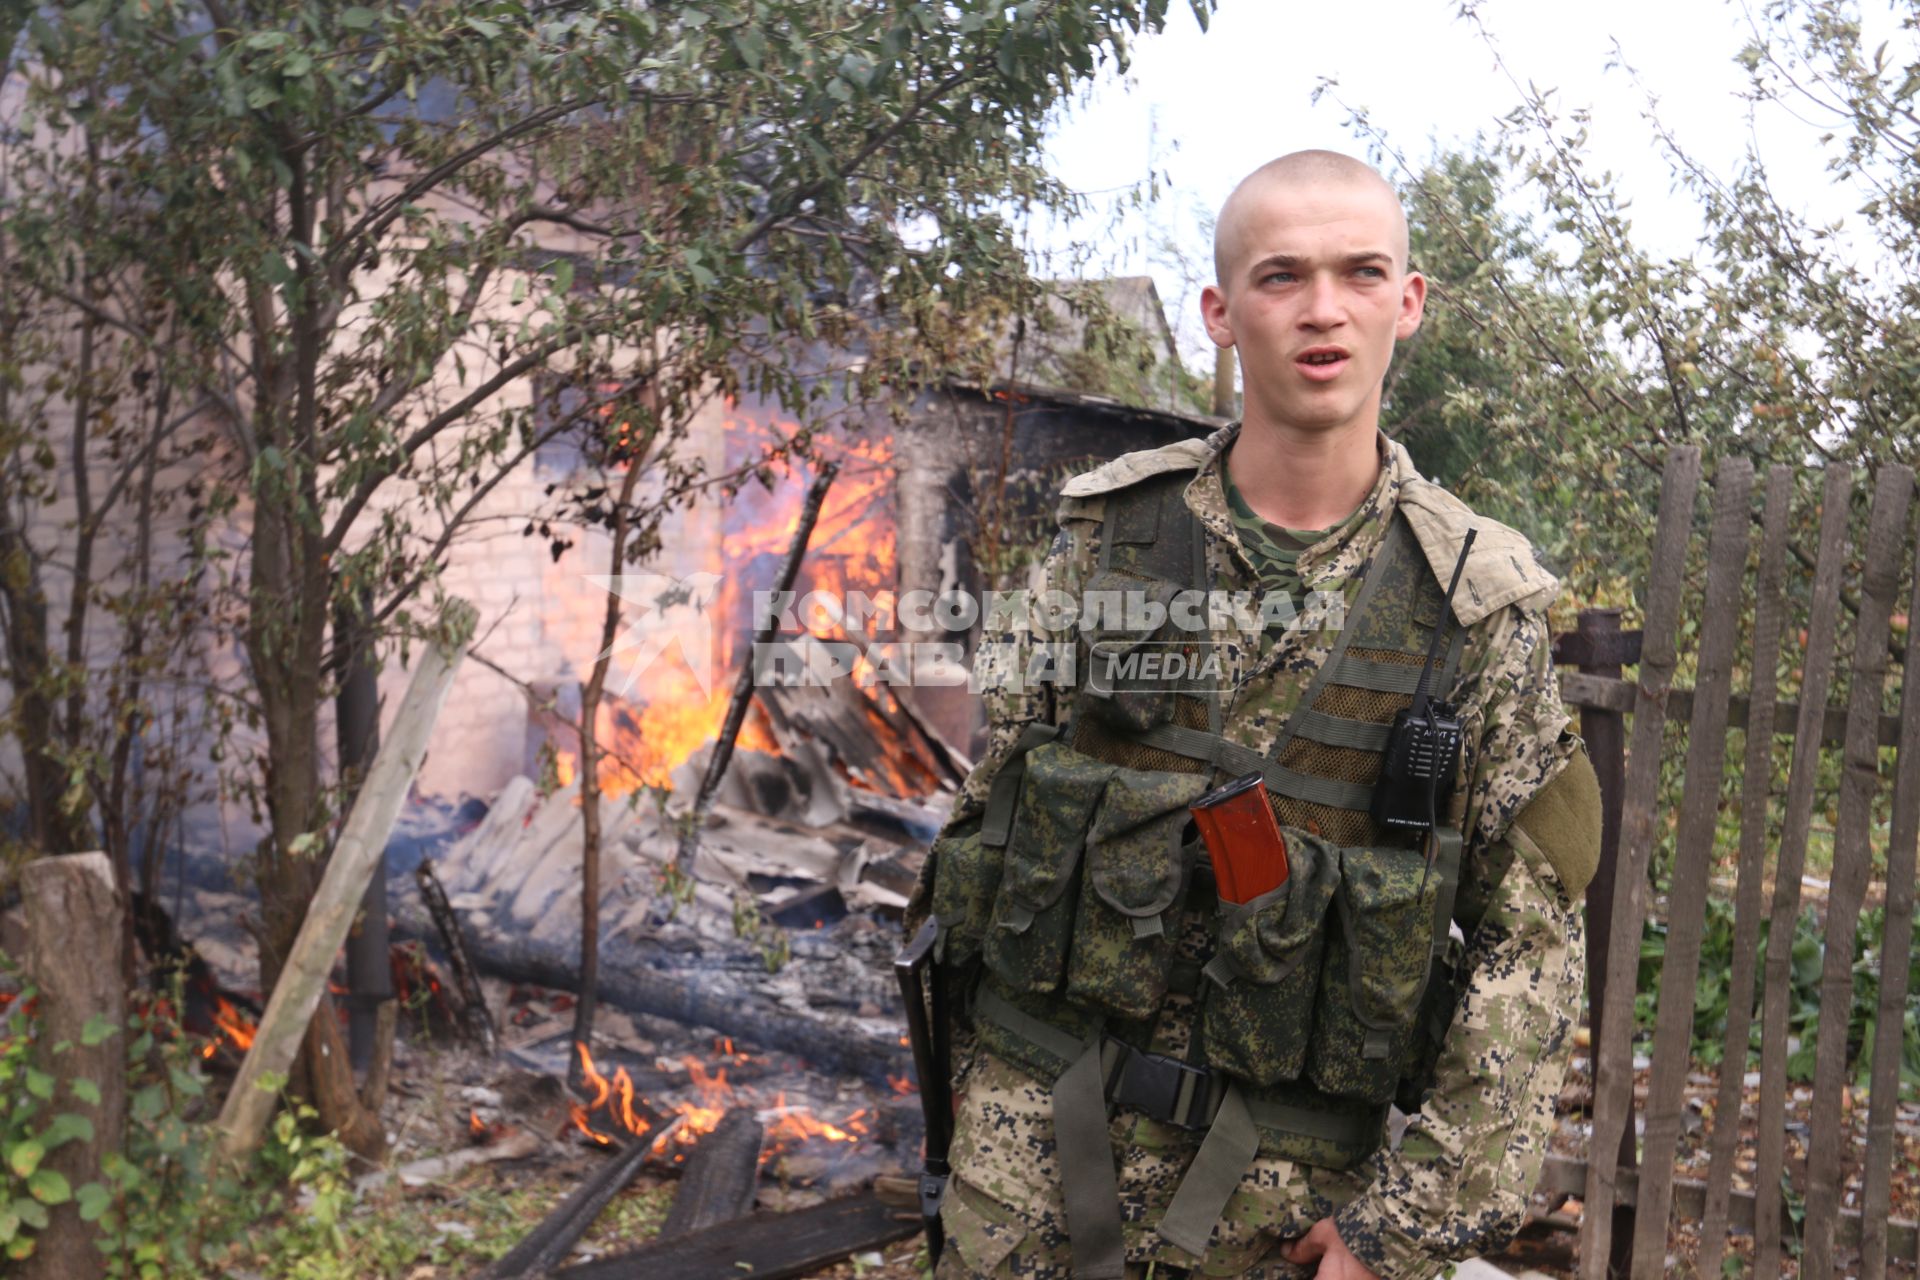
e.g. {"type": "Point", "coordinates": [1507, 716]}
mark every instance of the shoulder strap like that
{"type": "Point", "coordinates": [1149, 531]}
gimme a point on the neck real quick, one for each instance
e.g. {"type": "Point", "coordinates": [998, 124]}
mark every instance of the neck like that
{"type": "Point", "coordinates": [1304, 480]}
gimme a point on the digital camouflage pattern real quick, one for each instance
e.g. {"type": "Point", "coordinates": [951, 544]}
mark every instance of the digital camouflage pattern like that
{"type": "Point", "coordinates": [1375, 972]}
{"type": "Point", "coordinates": [1123, 943]}
{"type": "Point", "coordinates": [1456, 1185]}
{"type": "Point", "coordinates": [1266, 967]}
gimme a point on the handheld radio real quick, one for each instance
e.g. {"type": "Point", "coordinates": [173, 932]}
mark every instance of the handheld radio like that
{"type": "Point", "coordinates": [1423, 747]}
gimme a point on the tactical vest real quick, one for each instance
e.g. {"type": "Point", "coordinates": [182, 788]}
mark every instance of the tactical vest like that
{"type": "Point", "coordinates": [1319, 1004]}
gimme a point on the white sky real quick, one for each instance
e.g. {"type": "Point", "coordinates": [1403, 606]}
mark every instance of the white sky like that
{"type": "Point", "coordinates": [1205, 109]}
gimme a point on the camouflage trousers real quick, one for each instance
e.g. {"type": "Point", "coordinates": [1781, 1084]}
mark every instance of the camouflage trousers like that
{"type": "Point", "coordinates": [1005, 1218]}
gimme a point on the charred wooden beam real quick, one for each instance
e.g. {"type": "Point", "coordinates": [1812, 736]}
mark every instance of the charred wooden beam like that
{"type": "Point", "coordinates": [768, 1246]}
{"type": "Point", "coordinates": [543, 1247]}
{"type": "Point", "coordinates": [718, 1181]}
{"type": "Point", "coordinates": [478, 1019]}
{"type": "Point", "coordinates": [720, 999]}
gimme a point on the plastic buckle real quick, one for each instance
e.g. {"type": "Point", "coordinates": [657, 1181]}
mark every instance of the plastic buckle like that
{"type": "Point", "coordinates": [933, 1193]}
{"type": "Point", "coordinates": [1154, 1083]}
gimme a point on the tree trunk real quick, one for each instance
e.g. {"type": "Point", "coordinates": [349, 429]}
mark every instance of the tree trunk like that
{"type": "Point", "coordinates": [288, 611]}
{"type": "Point", "coordinates": [73, 910]}
{"type": "Point", "coordinates": [590, 785]}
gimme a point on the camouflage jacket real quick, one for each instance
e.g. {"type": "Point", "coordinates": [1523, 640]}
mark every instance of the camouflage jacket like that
{"type": "Point", "coordinates": [1456, 1185]}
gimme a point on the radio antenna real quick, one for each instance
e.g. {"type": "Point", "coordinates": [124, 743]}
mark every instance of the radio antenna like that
{"type": "Point", "coordinates": [1444, 629]}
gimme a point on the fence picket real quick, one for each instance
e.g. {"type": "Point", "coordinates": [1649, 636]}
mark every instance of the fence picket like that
{"type": "Point", "coordinates": [1828, 1130]}
{"type": "Point", "coordinates": [1769, 616]}
{"type": "Point", "coordinates": [1817, 679]}
{"type": "Point", "coordinates": [1693, 851]}
{"type": "Point", "coordinates": [1613, 1051]}
{"type": "Point", "coordinates": [1876, 1196]}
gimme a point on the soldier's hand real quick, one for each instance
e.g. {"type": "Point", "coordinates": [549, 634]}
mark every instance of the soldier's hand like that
{"type": "Point", "coordinates": [1323, 1250]}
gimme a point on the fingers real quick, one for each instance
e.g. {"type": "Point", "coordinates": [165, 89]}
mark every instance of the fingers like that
{"type": "Point", "coordinates": [1310, 1248]}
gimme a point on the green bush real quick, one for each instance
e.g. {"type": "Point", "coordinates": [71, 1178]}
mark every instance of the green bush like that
{"type": "Point", "coordinates": [168, 1205]}
{"type": "Point", "coordinates": [1803, 1001]}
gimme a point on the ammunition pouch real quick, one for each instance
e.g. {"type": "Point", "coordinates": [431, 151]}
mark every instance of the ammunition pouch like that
{"type": "Point", "coordinates": [1136, 878]}
{"type": "Point", "coordinates": [1374, 973]}
{"type": "Point", "coordinates": [1257, 1011]}
{"type": "Point", "coordinates": [1105, 929]}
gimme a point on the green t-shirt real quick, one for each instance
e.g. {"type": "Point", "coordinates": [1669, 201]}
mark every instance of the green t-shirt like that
{"type": "Point", "coordinates": [1273, 549]}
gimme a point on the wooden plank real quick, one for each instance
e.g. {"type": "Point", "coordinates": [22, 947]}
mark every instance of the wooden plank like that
{"type": "Point", "coordinates": [1567, 1176]}
{"type": "Point", "coordinates": [1769, 619]}
{"type": "Point", "coordinates": [363, 840]}
{"type": "Point", "coordinates": [1852, 860]}
{"type": "Point", "coordinates": [718, 1181]}
{"type": "Point", "coordinates": [1817, 678]}
{"type": "Point", "coordinates": [765, 1246]}
{"type": "Point", "coordinates": [1578, 689]}
{"type": "Point", "coordinates": [1895, 957]}
{"type": "Point", "coordinates": [1693, 852]}
{"type": "Point", "coordinates": [553, 1237]}
{"type": "Point", "coordinates": [1613, 1049]}
{"type": "Point", "coordinates": [1605, 733]}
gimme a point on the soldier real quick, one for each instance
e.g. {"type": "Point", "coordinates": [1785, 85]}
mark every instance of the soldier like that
{"type": "Point", "coordinates": [1154, 1081]}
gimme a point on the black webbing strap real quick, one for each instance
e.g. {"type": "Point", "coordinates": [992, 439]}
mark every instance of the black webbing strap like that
{"type": "Point", "coordinates": [1447, 844]}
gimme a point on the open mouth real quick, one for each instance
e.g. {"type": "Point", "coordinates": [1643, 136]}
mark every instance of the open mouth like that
{"type": "Point", "coordinates": [1321, 364]}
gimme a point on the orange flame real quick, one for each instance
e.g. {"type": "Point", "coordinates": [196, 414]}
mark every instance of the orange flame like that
{"type": "Point", "coordinates": [611, 1106]}
{"type": "Point", "coordinates": [666, 717]}
{"type": "Point", "coordinates": [234, 1023]}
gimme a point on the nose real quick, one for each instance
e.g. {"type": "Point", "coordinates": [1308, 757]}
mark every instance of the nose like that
{"type": "Point", "coordinates": [1323, 309]}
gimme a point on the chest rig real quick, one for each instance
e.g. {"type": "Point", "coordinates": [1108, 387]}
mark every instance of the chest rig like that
{"type": "Point", "coordinates": [1314, 1006]}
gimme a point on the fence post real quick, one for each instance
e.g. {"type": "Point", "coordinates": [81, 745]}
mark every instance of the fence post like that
{"type": "Point", "coordinates": [1606, 736]}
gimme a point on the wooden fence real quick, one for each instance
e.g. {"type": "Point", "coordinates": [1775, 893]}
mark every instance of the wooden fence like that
{"type": "Point", "coordinates": [1629, 1203]}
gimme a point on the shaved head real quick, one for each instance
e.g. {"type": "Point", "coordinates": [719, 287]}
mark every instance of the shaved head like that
{"type": "Point", "coordinates": [1299, 171]}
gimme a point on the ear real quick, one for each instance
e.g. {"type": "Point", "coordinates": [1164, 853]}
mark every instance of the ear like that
{"type": "Point", "coordinates": [1413, 305]}
{"type": "Point", "coordinates": [1213, 313]}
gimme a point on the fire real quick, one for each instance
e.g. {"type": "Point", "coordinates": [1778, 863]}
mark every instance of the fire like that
{"type": "Point", "coordinates": [653, 727]}
{"type": "Point", "coordinates": [233, 1024]}
{"type": "Point", "coordinates": [610, 1109]}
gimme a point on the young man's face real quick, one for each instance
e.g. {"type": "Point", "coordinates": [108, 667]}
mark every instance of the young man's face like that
{"type": "Point", "coordinates": [1314, 297]}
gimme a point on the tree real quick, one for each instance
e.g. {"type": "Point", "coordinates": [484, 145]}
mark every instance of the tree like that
{"type": "Point", "coordinates": [363, 225]}
{"type": "Point", "coordinates": [1787, 340]}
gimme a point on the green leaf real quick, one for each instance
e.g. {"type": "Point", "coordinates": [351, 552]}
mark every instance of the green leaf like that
{"type": "Point", "coordinates": [563, 275]}
{"type": "Point", "coordinates": [149, 1104]}
{"type": "Point", "coordinates": [50, 1186]}
{"type": "Point", "coordinates": [92, 1199]}
{"type": "Point", "coordinates": [31, 1212]}
{"type": "Point", "coordinates": [85, 1090]}
{"type": "Point", "coordinates": [299, 62]}
{"type": "Point", "coordinates": [488, 29]}
{"type": "Point", "coordinates": [66, 1127]}
{"type": "Point", "coordinates": [359, 18]}
{"type": "Point", "coordinates": [24, 1157]}
{"type": "Point", "coordinates": [266, 40]}
{"type": "Point", "coordinates": [98, 1030]}
{"type": "Point", "coordinates": [188, 1084]}
{"type": "Point", "coordinates": [39, 1084]}
{"type": "Point", "coordinates": [9, 1224]}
